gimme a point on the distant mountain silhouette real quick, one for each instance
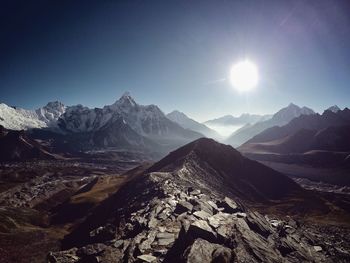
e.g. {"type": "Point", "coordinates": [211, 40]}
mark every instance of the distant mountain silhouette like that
{"type": "Point", "coordinates": [243, 119]}
{"type": "Point", "coordinates": [280, 118]}
{"type": "Point", "coordinates": [225, 169]}
{"type": "Point", "coordinates": [314, 140]}
{"type": "Point", "coordinates": [17, 146]}
{"type": "Point", "coordinates": [315, 122]}
{"type": "Point", "coordinates": [124, 125]}
{"type": "Point", "coordinates": [188, 123]}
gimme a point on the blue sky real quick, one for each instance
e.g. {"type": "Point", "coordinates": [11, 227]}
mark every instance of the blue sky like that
{"type": "Point", "coordinates": [171, 53]}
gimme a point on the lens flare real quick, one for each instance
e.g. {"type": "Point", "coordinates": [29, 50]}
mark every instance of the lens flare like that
{"type": "Point", "coordinates": [244, 76]}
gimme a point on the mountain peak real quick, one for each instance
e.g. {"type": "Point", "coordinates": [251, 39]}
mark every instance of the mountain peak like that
{"type": "Point", "coordinates": [291, 111]}
{"type": "Point", "coordinates": [126, 100]}
{"type": "Point", "coordinates": [244, 177]}
{"type": "Point", "coordinates": [126, 94]}
{"type": "Point", "coordinates": [292, 105]}
{"type": "Point", "coordinates": [176, 114]}
{"type": "Point", "coordinates": [333, 108]}
{"type": "Point", "coordinates": [54, 105]}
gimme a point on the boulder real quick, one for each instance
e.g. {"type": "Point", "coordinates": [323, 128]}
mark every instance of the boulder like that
{"type": "Point", "coordinates": [165, 238]}
{"type": "Point", "coordinates": [222, 255]}
{"type": "Point", "coordinates": [93, 249]}
{"type": "Point", "coordinates": [206, 252]}
{"type": "Point", "coordinates": [318, 248]}
{"type": "Point", "coordinates": [103, 233]}
{"type": "Point", "coordinates": [213, 205]}
{"type": "Point", "coordinates": [201, 215]}
{"type": "Point", "coordinates": [147, 258]}
{"type": "Point", "coordinates": [183, 206]}
{"type": "Point", "coordinates": [220, 218]}
{"type": "Point", "coordinates": [258, 224]}
{"type": "Point", "coordinates": [229, 205]}
{"type": "Point", "coordinates": [201, 229]}
{"type": "Point", "coordinates": [203, 205]}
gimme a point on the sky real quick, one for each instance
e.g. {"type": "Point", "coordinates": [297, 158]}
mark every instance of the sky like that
{"type": "Point", "coordinates": [175, 54]}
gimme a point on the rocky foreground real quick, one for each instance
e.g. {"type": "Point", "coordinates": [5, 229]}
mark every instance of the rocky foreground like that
{"type": "Point", "coordinates": [175, 217]}
{"type": "Point", "coordinates": [170, 221]}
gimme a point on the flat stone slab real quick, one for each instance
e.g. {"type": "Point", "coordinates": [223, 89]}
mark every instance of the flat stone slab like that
{"type": "Point", "coordinates": [147, 258]}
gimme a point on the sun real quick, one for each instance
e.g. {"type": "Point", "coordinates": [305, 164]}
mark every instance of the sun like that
{"type": "Point", "coordinates": [244, 76]}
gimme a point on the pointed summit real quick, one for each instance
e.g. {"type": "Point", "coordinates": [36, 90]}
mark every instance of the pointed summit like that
{"type": "Point", "coordinates": [126, 99]}
{"type": "Point", "coordinates": [290, 112]}
{"type": "Point", "coordinates": [55, 106]}
{"type": "Point", "coordinates": [292, 105]}
{"type": "Point", "coordinates": [333, 108]}
{"type": "Point", "coordinates": [51, 112]}
{"type": "Point", "coordinates": [124, 102]}
{"type": "Point", "coordinates": [126, 94]}
{"type": "Point", "coordinates": [226, 170]}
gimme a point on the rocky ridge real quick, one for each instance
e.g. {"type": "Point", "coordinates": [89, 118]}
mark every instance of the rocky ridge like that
{"type": "Point", "coordinates": [177, 212]}
{"type": "Point", "coordinates": [166, 220]}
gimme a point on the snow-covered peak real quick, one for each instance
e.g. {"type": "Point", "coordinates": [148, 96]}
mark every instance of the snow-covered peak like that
{"type": "Point", "coordinates": [290, 112]}
{"type": "Point", "coordinates": [55, 106]}
{"type": "Point", "coordinates": [177, 116]}
{"type": "Point", "coordinates": [19, 119]}
{"type": "Point", "coordinates": [307, 111]}
{"type": "Point", "coordinates": [143, 119]}
{"type": "Point", "coordinates": [334, 109]}
{"type": "Point", "coordinates": [125, 101]}
{"type": "Point", "coordinates": [51, 112]}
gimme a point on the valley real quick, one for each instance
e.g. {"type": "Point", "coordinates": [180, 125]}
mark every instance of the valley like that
{"type": "Point", "coordinates": [98, 210]}
{"type": "Point", "coordinates": [175, 131]}
{"type": "Point", "coordinates": [128, 183]}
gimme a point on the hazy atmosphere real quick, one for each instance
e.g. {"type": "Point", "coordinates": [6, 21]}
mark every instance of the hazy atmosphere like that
{"type": "Point", "coordinates": [175, 131]}
{"type": "Point", "coordinates": [175, 54]}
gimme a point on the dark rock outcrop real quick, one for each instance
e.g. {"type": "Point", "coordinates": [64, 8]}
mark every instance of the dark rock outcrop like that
{"type": "Point", "coordinates": [18, 146]}
{"type": "Point", "coordinates": [169, 215]}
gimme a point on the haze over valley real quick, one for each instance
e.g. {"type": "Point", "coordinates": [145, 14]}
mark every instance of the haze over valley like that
{"type": "Point", "coordinates": [177, 131]}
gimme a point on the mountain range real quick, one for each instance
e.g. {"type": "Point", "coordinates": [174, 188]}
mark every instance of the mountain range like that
{"type": "Point", "coordinates": [191, 204]}
{"type": "Point", "coordinates": [15, 118]}
{"type": "Point", "coordinates": [122, 125]}
{"type": "Point", "coordinates": [280, 118]}
{"type": "Point", "coordinates": [306, 132]}
{"type": "Point", "coordinates": [183, 120]}
{"type": "Point", "coordinates": [316, 147]}
{"type": "Point", "coordinates": [127, 125]}
{"type": "Point", "coordinates": [18, 146]}
{"type": "Point", "coordinates": [243, 119]}
{"type": "Point", "coordinates": [85, 180]}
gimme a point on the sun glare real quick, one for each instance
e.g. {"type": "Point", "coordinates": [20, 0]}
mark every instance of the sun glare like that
{"type": "Point", "coordinates": [244, 76]}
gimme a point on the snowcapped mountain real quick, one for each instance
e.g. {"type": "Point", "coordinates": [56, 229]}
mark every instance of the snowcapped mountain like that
{"type": "Point", "coordinates": [147, 120]}
{"type": "Point", "coordinates": [122, 124]}
{"type": "Point", "coordinates": [280, 118]}
{"type": "Point", "coordinates": [334, 108]}
{"type": "Point", "coordinates": [119, 133]}
{"type": "Point", "coordinates": [19, 119]}
{"type": "Point", "coordinates": [188, 123]}
{"type": "Point", "coordinates": [51, 112]}
{"type": "Point", "coordinates": [126, 124]}
{"type": "Point", "coordinates": [243, 119]}
{"type": "Point", "coordinates": [290, 112]}
{"type": "Point", "coordinates": [15, 118]}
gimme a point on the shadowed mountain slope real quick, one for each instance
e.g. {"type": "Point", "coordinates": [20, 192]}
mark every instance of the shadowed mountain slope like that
{"type": "Point", "coordinates": [184, 121]}
{"type": "Point", "coordinates": [280, 118]}
{"type": "Point", "coordinates": [309, 122]}
{"type": "Point", "coordinates": [223, 167]}
{"type": "Point", "coordinates": [189, 207]}
{"type": "Point", "coordinates": [17, 146]}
